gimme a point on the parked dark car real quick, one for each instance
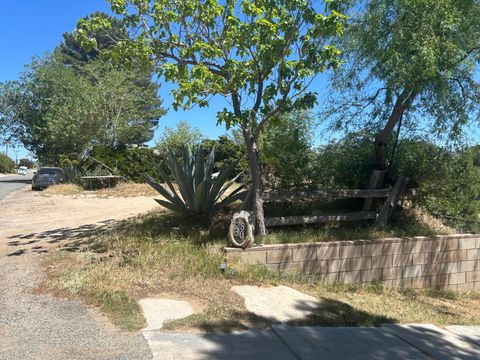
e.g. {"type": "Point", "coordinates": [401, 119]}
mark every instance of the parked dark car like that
{"type": "Point", "coordinates": [47, 176]}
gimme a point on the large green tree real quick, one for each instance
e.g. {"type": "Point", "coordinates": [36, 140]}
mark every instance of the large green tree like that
{"type": "Point", "coordinates": [55, 109]}
{"type": "Point", "coordinates": [71, 52]}
{"type": "Point", "coordinates": [415, 59]}
{"type": "Point", "coordinates": [261, 55]}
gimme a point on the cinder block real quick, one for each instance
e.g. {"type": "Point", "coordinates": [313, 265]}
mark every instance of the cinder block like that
{"type": "Point", "coordinates": [466, 287]}
{"type": "Point", "coordinates": [477, 245]}
{"type": "Point", "coordinates": [442, 268]}
{"type": "Point", "coordinates": [338, 265]}
{"type": "Point", "coordinates": [328, 252]}
{"type": "Point", "coordinates": [392, 248]}
{"type": "Point", "coordinates": [467, 265]}
{"type": "Point", "coordinates": [254, 257]}
{"type": "Point", "coordinates": [473, 254]}
{"type": "Point", "coordinates": [330, 277]}
{"type": "Point", "coordinates": [450, 244]}
{"type": "Point", "coordinates": [402, 260]}
{"type": "Point", "coordinates": [385, 261]}
{"type": "Point", "coordinates": [421, 282]}
{"type": "Point", "coordinates": [279, 256]}
{"type": "Point", "coordinates": [404, 283]}
{"type": "Point", "coordinates": [307, 253]}
{"type": "Point", "coordinates": [412, 246]}
{"type": "Point", "coordinates": [371, 275]}
{"type": "Point", "coordinates": [361, 263]}
{"type": "Point", "coordinates": [372, 250]}
{"type": "Point", "coordinates": [273, 267]}
{"type": "Point", "coordinates": [473, 276]}
{"type": "Point", "coordinates": [350, 251]}
{"type": "Point", "coordinates": [421, 258]}
{"type": "Point", "coordinates": [350, 277]}
{"type": "Point", "coordinates": [477, 286]}
{"type": "Point", "coordinates": [457, 278]}
{"type": "Point", "coordinates": [399, 283]}
{"type": "Point", "coordinates": [430, 246]}
{"type": "Point", "coordinates": [468, 243]}
{"type": "Point", "coordinates": [451, 287]}
{"type": "Point", "coordinates": [313, 267]}
{"type": "Point", "coordinates": [439, 280]}
{"type": "Point", "coordinates": [391, 273]}
{"type": "Point", "coordinates": [414, 271]}
{"type": "Point", "coordinates": [443, 244]}
{"type": "Point", "coordinates": [440, 257]}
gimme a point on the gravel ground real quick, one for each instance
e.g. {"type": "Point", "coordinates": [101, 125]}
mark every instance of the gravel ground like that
{"type": "Point", "coordinates": [41, 327]}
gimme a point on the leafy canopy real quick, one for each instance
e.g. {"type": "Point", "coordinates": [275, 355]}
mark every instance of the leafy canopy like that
{"type": "Point", "coordinates": [423, 52]}
{"type": "Point", "coordinates": [56, 109]}
{"type": "Point", "coordinates": [262, 54]}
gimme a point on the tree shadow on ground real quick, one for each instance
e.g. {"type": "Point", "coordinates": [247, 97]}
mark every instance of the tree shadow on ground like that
{"type": "Point", "coordinates": [337, 331]}
{"type": "Point", "coordinates": [67, 238]}
{"type": "Point", "coordinates": [328, 312]}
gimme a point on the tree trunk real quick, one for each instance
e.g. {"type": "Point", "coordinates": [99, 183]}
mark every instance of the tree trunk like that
{"type": "Point", "coordinates": [401, 104]}
{"type": "Point", "coordinates": [255, 201]}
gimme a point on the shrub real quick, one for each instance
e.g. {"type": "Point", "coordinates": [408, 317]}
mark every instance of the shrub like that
{"type": "Point", "coordinates": [131, 163]}
{"type": "Point", "coordinates": [227, 151]}
{"type": "Point", "coordinates": [6, 164]}
{"type": "Point", "coordinates": [26, 162]}
{"type": "Point", "coordinates": [345, 163]}
{"type": "Point", "coordinates": [448, 180]}
{"type": "Point", "coordinates": [286, 150]}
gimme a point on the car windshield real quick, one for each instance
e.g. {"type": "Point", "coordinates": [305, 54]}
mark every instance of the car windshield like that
{"type": "Point", "coordinates": [23, 168]}
{"type": "Point", "coordinates": [46, 171]}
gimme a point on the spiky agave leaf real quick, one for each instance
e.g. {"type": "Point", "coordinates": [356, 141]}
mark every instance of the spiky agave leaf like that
{"type": "Point", "coordinates": [200, 192]}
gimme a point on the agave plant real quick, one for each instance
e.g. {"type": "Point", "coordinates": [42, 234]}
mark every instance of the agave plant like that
{"type": "Point", "coordinates": [202, 193]}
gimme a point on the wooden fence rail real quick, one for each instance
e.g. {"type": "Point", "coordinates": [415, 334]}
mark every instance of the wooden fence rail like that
{"type": "Point", "coordinates": [325, 194]}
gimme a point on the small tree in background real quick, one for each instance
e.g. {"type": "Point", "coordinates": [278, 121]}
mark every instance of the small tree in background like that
{"type": "Point", "coordinates": [26, 162]}
{"type": "Point", "coordinates": [286, 150]}
{"type": "Point", "coordinates": [175, 139]}
{"type": "Point", "coordinates": [261, 55]}
{"type": "Point", "coordinates": [7, 165]}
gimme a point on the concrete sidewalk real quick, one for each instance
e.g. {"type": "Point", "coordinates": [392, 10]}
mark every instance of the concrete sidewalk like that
{"type": "Point", "coordinates": [284, 342]}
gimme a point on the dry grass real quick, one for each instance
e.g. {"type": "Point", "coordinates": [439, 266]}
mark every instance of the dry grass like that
{"type": "Point", "coordinates": [63, 189]}
{"type": "Point", "coordinates": [162, 254]}
{"type": "Point", "coordinates": [126, 189]}
{"type": "Point", "coordinates": [123, 189]}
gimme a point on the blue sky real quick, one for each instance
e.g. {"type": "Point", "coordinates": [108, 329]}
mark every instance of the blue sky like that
{"type": "Point", "coordinates": [33, 27]}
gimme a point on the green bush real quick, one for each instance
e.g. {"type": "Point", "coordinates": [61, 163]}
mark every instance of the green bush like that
{"type": "Point", "coordinates": [286, 150]}
{"type": "Point", "coordinates": [26, 162]}
{"type": "Point", "coordinates": [132, 163]}
{"type": "Point", "coordinates": [345, 163]}
{"type": "Point", "coordinates": [448, 180]}
{"type": "Point", "coordinates": [227, 151]}
{"type": "Point", "coordinates": [6, 164]}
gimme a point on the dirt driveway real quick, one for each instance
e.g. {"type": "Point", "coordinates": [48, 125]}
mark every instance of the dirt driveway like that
{"type": "Point", "coordinates": [34, 326]}
{"type": "Point", "coordinates": [35, 222]}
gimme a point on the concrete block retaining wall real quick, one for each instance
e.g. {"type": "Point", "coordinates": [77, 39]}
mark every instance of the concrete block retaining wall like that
{"type": "Point", "coordinates": [449, 262]}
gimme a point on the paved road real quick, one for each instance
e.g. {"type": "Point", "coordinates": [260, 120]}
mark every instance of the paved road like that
{"type": "Point", "coordinates": [14, 182]}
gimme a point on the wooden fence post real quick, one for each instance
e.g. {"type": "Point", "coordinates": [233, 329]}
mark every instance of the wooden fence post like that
{"type": "Point", "coordinates": [388, 208]}
{"type": "Point", "coordinates": [376, 182]}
